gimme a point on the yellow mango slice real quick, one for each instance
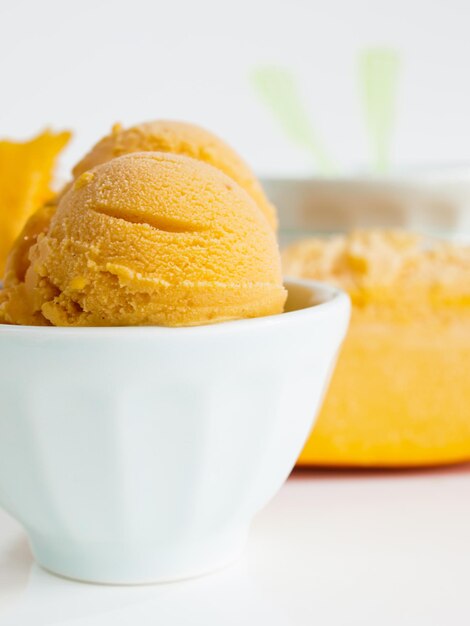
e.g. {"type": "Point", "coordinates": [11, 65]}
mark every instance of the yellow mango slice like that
{"type": "Point", "coordinates": [26, 170]}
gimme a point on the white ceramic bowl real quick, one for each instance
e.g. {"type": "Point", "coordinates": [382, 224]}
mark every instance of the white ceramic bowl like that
{"type": "Point", "coordinates": [134, 455]}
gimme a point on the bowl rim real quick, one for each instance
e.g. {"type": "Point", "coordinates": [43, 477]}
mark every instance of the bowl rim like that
{"type": "Point", "coordinates": [331, 298]}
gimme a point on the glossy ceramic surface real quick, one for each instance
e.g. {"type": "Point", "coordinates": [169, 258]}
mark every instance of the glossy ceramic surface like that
{"type": "Point", "coordinates": [134, 455]}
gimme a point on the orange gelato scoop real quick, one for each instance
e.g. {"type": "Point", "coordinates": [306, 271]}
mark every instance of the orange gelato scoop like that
{"type": "Point", "coordinates": [16, 304]}
{"type": "Point", "coordinates": [179, 138]}
{"type": "Point", "coordinates": [152, 238]}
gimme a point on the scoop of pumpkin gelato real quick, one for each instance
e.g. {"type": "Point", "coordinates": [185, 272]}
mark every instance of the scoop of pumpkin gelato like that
{"type": "Point", "coordinates": [16, 303]}
{"type": "Point", "coordinates": [151, 238]}
{"type": "Point", "coordinates": [179, 138]}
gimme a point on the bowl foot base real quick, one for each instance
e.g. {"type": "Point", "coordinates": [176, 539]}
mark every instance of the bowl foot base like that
{"type": "Point", "coordinates": [135, 563]}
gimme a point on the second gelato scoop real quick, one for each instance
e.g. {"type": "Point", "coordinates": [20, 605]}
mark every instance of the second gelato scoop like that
{"type": "Point", "coordinates": [153, 238]}
{"type": "Point", "coordinates": [179, 138]}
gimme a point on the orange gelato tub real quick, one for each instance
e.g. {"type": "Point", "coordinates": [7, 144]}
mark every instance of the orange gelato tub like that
{"type": "Point", "coordinates": [401, 392]}
{"type": "Point", "coordinates": [400, 395]}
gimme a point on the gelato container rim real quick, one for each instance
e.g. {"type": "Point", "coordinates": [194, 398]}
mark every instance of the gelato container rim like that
{"type": "Point", "coordinates": [306, 298]}
{"type": "Point", "coordinates": [410, 175]}
{"type": "Point", "coordinates": [431, 202]}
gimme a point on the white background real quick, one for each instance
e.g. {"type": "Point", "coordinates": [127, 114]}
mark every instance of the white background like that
{"type": "Point", "coordinates": [84, 65]}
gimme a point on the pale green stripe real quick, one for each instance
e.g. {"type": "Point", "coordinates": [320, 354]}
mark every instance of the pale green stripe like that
{"type": "Point", "coordinates": [278, 89]}
{"type": "Point", "coordinates": [378, 78]}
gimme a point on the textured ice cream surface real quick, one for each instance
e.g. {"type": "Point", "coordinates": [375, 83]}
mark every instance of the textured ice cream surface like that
{"type": "Point", "coordinates": [387, 267]}
{"type": "Point", "coordinates": [179, 138]}
{"type": "Point", "coordinates": [153, 239]}
{"type": "Point", "coordinates": [16, 297]}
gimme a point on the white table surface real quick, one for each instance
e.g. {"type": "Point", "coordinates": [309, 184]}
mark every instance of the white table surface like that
{"type": "Point", "coordinates": [339, 548]}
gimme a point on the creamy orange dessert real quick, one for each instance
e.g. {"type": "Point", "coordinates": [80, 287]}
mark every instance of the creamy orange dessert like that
{"type": "Point", "coordinates": [179, 138]}
{"type": "Point", "coordinates": [400, 394]}
{"type": "Point", "coordinates": [146, 238]}
{"type": "Point", "coordinates": [163, 224]}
